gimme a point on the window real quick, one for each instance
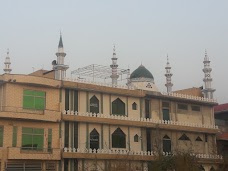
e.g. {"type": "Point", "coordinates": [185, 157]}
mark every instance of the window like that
{"type": "Point", "coordinates": [49, 139]}
{"type": "Point", "coordinates": [94, 139]}
{"type": "Point", "coordinates": [166, 144]}
{"type": "Point", "coordinates": [198, 139]}
{"type": "Point", "coordinates": [118, 139]}
{"type": "Point", "coordinates": [165, 104]}
{"type": "Point", "coordinates": [212, 169]}
{"type": "Point", "coordinates": [66, 138]}
{"type": "Point", "coordinates": [75, 135]}
{"type": "Point", "coordinates": [147, 108]}
{"type": "Point", "coordinates": [32, 138]}
{"type": "Point", "coordinates": [182, 106]}
{"type": "Point", "coordinates": [1, 136]}
{"type": "Point", "coordinates": [184, 137]}
{"type": "Point", "coordinates": [134, 106]}
{"type": "Point", "coordinates": [118, 107]}
{"type": "Point", "coordinates": [34, 100]}
{"type": "Point", "coordinates": [201, 168]}
{"type": "Point", "coordinates": [14, 143]}
{"type": "Point", "coordinates": [71, 100]}
{"type": "Point", "coordinates": [165, 113]}
{"type": "Point", "coordinates": [136, 138]}
{"type": "Point", "coordinates": [195, 108]}
{"type": "Point", "coordinates": [94, 105]}
{"type": "Point", "coordinates": [205, 137]}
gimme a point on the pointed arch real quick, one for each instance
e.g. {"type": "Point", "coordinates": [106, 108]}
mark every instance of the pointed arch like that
{"type": "Point", "coordinates": [198, 139]}
{"type": "Point", "coordinates": [118, 139]}
{"type": "Point", "coordinates": [134, 106]}
{"type": "Point", "coordinates": [184, 137]}
{"type": "Point", "coordinates": [136, 138]}
{"type": "Point", "coordinates": [94, 104]}
{"type": "Point", "coordinates": [94, 139]}
{"type": "Point", "coordinates": [166, 144]}
{"type": "Point", "coordinates": [212, 169]}
{"type": "Point", "coordinates": [118, 107]}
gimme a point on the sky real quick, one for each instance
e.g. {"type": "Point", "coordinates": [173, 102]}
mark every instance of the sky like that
{"type": "Point", "coordinates": [144, 31]}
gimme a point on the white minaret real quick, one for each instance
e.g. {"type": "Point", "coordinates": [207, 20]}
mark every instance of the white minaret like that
{"type": "Point", "coordinates": [59, 66]}
{"type": "Point", "coordinates": [168, 76]}
{"type": "Point", "coordinates": [7, 63]}
{"type": "Point", "coordinates": [207, 91]}
{"type": "Point", "coordinates": [114, 67]}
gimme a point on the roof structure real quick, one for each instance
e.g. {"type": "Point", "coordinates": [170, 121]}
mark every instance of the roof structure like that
{"type": "Point", "coordinates": [141, 72]}
{"type": "Point", "coordinates": [221, 108]}
{"type": "Point", "coordinates": [99, 71]}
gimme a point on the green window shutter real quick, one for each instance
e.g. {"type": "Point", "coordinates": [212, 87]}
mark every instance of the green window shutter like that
{"type": "Point", "coordinates": [39, 103]}
{"type": "Point", "coordinates": [34, 99]}
{"type": "Point", "coordinates": [32, 138]}
{"type": "Point", "coordinates": [14, 143]}
{"type": "Point", "coordinates": [1, 136]}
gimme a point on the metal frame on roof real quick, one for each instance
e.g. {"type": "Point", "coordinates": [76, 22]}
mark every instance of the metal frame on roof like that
{"type": "Point", "coordinates": [99, 71]}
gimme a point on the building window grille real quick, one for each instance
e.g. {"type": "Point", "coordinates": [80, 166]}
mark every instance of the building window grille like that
{"type": "Point", "coordinates": [118, 107]}
{"type": "Point", "coordinates": [34, 99]}
{"type": "Point", "coordinates": [166, 144]}
{"type": "Point", "coordinates": [165, 104]}
{"type": "Point", "coordinates": [134, 106]}
{"type": "Point", "coordinates": [94, 105]}
{"type": "Point", "coordinates": [118, 139]}
{"type": "Point", "coordinates": [136, 138]}
{"type": "Point", "coordinates": [94, 139]}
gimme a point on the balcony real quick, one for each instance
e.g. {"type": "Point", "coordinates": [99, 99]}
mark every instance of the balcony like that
{"type": "Point", "coordinates": [137, 122]}
{"type": "Point", "coordinates": [112, 154]}
{"type": "Point", "coordinates": [21, 113]}
{"type": "Point", "coordinates": [42, 154]}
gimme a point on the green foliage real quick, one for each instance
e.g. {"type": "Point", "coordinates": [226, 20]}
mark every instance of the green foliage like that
{"type": "Point", "coordinates": [181, 161]}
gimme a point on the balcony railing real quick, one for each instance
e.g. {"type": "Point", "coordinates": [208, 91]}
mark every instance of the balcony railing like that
{"type": "Point", "coordinates": [145, 120]}
{"type": "Point", "coordinates": [130, 152]}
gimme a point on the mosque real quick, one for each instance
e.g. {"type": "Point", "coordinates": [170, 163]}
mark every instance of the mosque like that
{"type": "Point", "coordinates": [51, 122]}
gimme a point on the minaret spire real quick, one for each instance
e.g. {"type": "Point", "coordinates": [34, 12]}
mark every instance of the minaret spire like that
{"type": "Point", "coordinates": [168, 76]}
{"type": "Point", "coordinates": [59, 66]}
{"type": "Point", "coordinates": [7, 63]}
{"type": "Point", "coordinates": [207, 91]}
{"type": "Point", "coordinates": [114, 67]}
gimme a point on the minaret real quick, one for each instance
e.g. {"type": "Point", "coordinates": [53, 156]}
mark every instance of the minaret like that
{"type": "Point", "coordinates": [7, 63]}
{"type": "Point", "coordinates": [58, 66]}
{"type": "Point", "coordinates": [168, 76]}
{"type": "Point", "coordinates": [207, 91]}
{"type": "Point", "coordinates": [114, 67]}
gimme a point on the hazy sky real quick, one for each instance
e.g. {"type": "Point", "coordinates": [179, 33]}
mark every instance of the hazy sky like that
{"type": "Point", "coordinates": [143, 31]}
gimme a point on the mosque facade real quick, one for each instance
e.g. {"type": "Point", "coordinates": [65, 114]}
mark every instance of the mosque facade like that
{"type": "Point", "coordinates": [49, 122]}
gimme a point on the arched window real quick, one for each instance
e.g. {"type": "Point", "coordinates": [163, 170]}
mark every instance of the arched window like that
{"type": "Point", "coordinates": [94, 139]}
{"type": "Point", "coordinates": [136, 138]}
{"type": "Point", "coordinates": [118, 139]}
{"type": "Point", "coordinates": [184, 137]}
{"type": "Point", "coordinates": [134, 106]}
{"type": "Point", "coordinates": [166, 144]}
{"type": "Point", "coordinates": [198, 139]}
{"type": "Point", "coordinates": [212, 169]}
{"type": "Point", "coordinates": [118, 107]}
{"type": "Point", "coordinates": [94, 105]}
{"type": "Point", "coordinates": [201, 168]}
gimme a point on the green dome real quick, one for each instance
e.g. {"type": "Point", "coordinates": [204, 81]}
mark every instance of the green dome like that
{"type": "Point", "coordinates": [141, 72]}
